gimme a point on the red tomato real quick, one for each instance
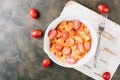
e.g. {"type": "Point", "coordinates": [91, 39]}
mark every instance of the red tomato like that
{"type": "Point", "coordinates": [76, 24]}
{"type": "Point", "coordinates": [64, 35]}
{"type": "Point", "coordinates": [70, 60]}
{"type": "Point", "coordinates": [52, 34]}
{"type": "Point", "coordinates": [33, 13]}
{"type": "Point", "coordinates": [46, 62]}
{"type": "Point", "coordinates": [36, 33]}
{"type": "Point", "coordinates": [66, 50]}
{"type": "Point", "coordinates": [81, 47]}
{"type": "Point", "coordinates": [106, 75]}
{"type": "Point", "coordinates": [58, 46]}
{"type": "Point", "coordinates": [103, 8]}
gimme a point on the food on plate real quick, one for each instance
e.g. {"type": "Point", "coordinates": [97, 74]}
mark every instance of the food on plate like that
{"type": "Point", "coordinates": [36, 33]}
{"type": "Point", "coordinates": [76, 24]}
{"type": "Point", "coordinates": [70, 41]}
{"type": "Point", "coordinates": [52, 34]}
{"type": "Point", "coordinates": [103, 8]}
{"type": "Point", "coordinates": [46, 62]}
{"type": "Point", "coordinates": [64, 35]}
{"type": "Point", "coordinates": [33, 13]}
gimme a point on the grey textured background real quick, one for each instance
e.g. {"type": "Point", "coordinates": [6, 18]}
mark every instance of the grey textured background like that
{"type": "Point", "coordinates": [21, 55]}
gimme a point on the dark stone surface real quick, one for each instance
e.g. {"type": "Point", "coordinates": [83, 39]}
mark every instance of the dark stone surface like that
{"type": "Point", "coordinates": [21, 55]}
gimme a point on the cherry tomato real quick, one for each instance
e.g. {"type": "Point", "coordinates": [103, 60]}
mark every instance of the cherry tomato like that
{"type": "Point", "coordinates": [76, 24]}
{"type": "Point", "coordinates": [58, 46]}
{"type": "Point", "coordinates": [64, 35]}
{"type": "Point", "coordinates": [36, 33]}
{"type": "Point", "coordinates": [103, 8]}
{"type": "Point", "coordinates": [66, 50]}
{"type": "Point", "coordinates": [46, 62]}
{"type": "Point", "coordinates": [33, 13]}
{"type": "Point", "coordinates": [70, 60]}
{"type": "Point", "coordinates": [106, 75]}
{"type": "Point", "coordinates": [52, 34]}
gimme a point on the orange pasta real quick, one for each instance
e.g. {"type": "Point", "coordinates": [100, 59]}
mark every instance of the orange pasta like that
{"type": "Point", "coordinates": [70, 41]}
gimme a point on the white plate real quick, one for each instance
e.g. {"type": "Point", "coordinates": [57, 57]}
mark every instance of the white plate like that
{"type": "Point", "coordinates": [87, 57]}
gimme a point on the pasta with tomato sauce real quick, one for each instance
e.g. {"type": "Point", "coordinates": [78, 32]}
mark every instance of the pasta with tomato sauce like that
{"type": "Point", "coordinates": [70, 41]}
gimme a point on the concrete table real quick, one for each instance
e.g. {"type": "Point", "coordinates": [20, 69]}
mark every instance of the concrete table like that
{"type": "Point", "coordinates": [21, 55]}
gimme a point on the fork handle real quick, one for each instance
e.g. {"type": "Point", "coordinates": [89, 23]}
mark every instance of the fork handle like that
{"type": "Point", "coordinates": [97, 51]}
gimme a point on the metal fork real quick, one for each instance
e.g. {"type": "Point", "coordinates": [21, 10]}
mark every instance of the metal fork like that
{"type": "Point", "coordinates": [101, 26]}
